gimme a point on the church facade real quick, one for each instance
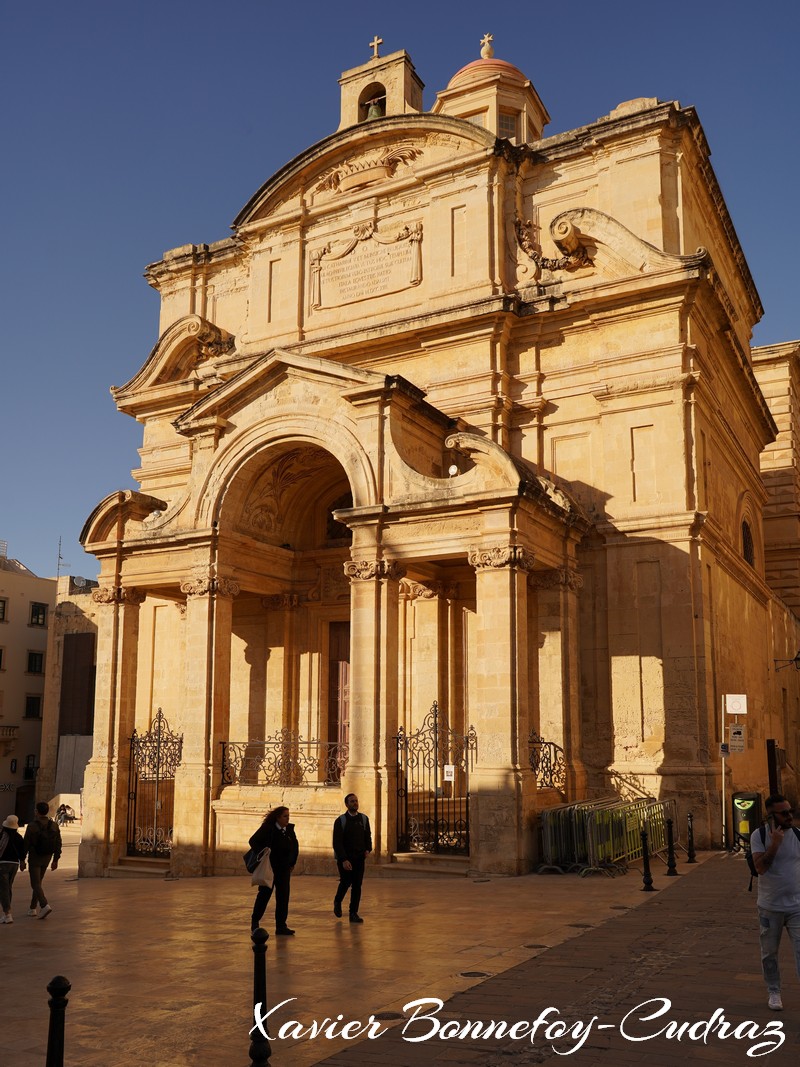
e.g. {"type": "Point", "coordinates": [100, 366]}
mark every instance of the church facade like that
{"type": "Point", "coordinates": [460, 415]}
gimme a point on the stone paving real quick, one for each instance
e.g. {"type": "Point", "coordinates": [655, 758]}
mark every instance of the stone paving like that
{"type": "Point", "coordinates": [161, 970]}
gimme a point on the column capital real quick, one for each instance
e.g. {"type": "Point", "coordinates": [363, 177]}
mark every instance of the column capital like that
{"type": "Point", "coordinates": [557, 577]}
{"type": "Point", "coordinates": [497, 556]}
{"type": "Point", "coordinates": [118, 594]}
{"type": "Point", "coordinates": [369, 570]}
{"type": "Point", "coordinates": [206, 583]}
{"type": "Point", "coordinates": [411, 590]}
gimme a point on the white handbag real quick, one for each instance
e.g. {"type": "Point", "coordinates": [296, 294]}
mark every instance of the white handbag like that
{"type": "Point", "coordinates": [262, 875]}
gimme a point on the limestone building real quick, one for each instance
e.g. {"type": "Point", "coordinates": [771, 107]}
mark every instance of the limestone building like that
{"type": "Point", "coordinates": [26, 607]}
{"type": "Point", "coordinates": [461, 413]}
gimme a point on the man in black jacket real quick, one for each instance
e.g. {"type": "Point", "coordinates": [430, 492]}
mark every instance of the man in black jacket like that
{"type": "Point", "coordinates": [352, 843]}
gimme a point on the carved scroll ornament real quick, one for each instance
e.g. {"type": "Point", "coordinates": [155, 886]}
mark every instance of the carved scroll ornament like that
{"type": "Point", "coordinates": [118, 594]}
{"type": "Point", "coordinates": [497, 556]}
{"type": "Point", "coordinates": [201, 584]}
{"type": "Point", "coordinates": [370, 570]}
{"type": "Point", "coordinates": [566, 237]}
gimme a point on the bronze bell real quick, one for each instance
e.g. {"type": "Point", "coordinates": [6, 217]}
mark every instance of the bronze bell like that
{"type": "Point", "coordinates": [374, 111]}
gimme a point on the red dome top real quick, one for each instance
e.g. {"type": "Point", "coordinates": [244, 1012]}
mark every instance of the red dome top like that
{"type": "Point", "coordinates": [481, 68]}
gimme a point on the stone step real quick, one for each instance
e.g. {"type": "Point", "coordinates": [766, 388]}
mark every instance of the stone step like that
{"type": "Point", "coordinates": [139, 867]}
{"type": "Point", "coordinates": [426, 865]}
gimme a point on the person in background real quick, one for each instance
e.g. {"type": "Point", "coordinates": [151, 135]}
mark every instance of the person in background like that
{"type": "Point", "coordinates": [352, 843]}
{"type": "Point", "coordinates": [776, 855]}
{"type": "Point", "coordinates": [43, 844]}
{"type": "Point", "coordinates": [277, 834]}
{"type": "Point", "coordinates": [12, 859]}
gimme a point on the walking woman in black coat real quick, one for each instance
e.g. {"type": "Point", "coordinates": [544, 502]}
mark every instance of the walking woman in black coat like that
{"type": "Point", "coordinates": [277, 834]}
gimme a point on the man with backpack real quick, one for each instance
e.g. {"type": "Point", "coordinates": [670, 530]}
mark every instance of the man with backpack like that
{"type": "Point", "coordinates": [776, 856]}
{"type": "Point", "coordinates": [43, 844]}
{"type": "Point", "coordinates": [352, 842]}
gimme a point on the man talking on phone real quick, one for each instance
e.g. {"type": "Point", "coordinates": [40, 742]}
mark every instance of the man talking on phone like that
{"type": "Point", "coordinates": [776, 855]}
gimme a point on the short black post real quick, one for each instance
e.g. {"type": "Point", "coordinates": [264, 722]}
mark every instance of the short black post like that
{"type": "Point", "coordinates": [260, 1050]}
{"type": "Point", "coordinates": [691, 858]}
{"type": "Point", "coordinates": [58, 989]}
{"type": "Point", "coordinates": [672, 870]}
{"type": "Point", "coordinates": [647, 877]}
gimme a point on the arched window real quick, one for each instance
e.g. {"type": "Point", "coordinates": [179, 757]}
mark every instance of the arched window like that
{"type": "Point", "coordinates": [748, 551]}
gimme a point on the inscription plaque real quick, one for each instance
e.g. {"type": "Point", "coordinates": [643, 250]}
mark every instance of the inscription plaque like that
{"type": "Point", "coordinates": [369, 265]}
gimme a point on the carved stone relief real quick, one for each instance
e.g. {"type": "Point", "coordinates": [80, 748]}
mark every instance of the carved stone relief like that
{"type": "Point", "coordinates": [373, 167]}
{"type": "Point", "coordinates": [263, 508]}
{"type": "Point", "coordinates": [563, 577]}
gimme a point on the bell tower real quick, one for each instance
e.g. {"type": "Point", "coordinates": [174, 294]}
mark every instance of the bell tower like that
{"type": "Point", "coordinates": [385, 85]}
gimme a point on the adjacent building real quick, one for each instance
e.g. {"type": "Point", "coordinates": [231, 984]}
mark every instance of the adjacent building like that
{"type": "Point", "coordinates": [26, 608]}
{"type": "Point", "coordinates": [455, 455]}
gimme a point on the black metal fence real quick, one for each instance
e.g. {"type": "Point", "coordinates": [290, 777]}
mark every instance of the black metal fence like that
{"type": "Point", "coordinates": [433, 766]}
{"type": "Point", "coordinates": [284, 759]}
{"type": "Point", "coordinates": [154, 758]}
{"type": "Point", "coordinates": [548, 763]}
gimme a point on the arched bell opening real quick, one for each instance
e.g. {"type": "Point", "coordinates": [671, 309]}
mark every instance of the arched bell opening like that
{"type": "Point", "coordinates": [372, 102]}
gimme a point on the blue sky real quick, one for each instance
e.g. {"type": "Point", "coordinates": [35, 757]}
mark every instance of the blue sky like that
{"type": "Point", "coordinates": [129, 129]}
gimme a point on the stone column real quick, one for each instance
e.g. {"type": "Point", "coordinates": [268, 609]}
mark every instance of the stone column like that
{"type": "Point", "coordinates": [205, 720]}
{"type": "Point", "coordinates": [371, 769]}
{"type": "Point", "coordinates": [104, 836]}
{"type": "Point", "coordinates": [502, 790]}
{"type": "Point", "coordinates": [559, 669]}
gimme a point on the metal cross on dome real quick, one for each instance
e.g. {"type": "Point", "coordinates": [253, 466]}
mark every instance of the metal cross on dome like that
{"type": "Point", "coordinates": [374, 43]}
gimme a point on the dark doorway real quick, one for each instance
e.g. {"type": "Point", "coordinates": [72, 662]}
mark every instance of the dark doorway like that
{"type": "Point", "coordinates": [339, 683]}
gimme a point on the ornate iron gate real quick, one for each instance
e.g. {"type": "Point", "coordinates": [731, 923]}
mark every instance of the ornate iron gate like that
{"type": "Point", "coordinates": [151, 792]}
{"type": "Point", "coordinates": [433, 768]}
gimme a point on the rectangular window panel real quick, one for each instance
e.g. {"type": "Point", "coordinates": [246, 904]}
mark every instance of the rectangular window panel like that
{"type": "Point", "coordinates": [3, 609]}
{"type": "Point", "coordinates": [508, 125]}
{"type": "Point", "coordinates": [35, 662]}
{"type": "Point", "coordinates": [33, 707]}
{"type": "Point", "coordinates": [38, 614]}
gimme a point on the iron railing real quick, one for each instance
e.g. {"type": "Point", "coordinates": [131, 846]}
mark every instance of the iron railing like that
{"type": "Point", "coordinates": [283, 759]}
{"type": "Point", "coordinates": [433, 768]}
{"type": "Point", "coordinates": [548, 763]}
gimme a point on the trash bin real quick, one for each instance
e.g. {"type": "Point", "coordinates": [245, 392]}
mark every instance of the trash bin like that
{"type": "Point", "coordinates": [746, 817]}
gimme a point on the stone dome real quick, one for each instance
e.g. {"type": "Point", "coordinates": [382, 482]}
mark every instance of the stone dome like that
{"type": "Point", "coordinates": [480, 69]}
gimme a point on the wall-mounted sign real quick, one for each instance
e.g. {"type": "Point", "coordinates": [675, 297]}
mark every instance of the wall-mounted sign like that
{"type": "Point", "coordinates": [738, 738]}
{"type": "Point", "coordinates": [736, 703]}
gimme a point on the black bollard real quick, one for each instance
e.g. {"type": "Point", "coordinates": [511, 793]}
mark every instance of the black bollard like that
{"type": "Point", "coordinates": [260, 1050]}
{"type": "Point", "coordinates": [672, 870]}
{"type": "Point", "coordinates": [58, 989]}
{"type": "Point", "coordinates": [647, 877]}
{"type": "Point", "coordinates": [691, 858]}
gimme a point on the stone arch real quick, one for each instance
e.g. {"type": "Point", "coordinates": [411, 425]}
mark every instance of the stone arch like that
{"type": "Point", "coordinates": [279, 435]}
